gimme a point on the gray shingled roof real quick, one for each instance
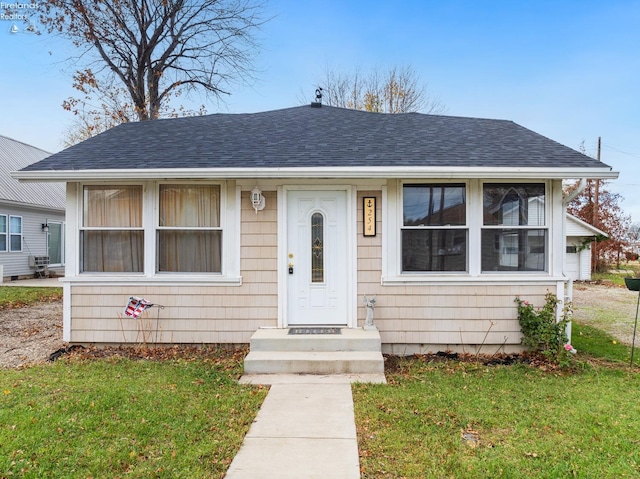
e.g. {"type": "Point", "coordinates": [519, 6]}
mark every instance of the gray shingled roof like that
{"type": "Point", "coordinates": [15, 155]}
{"type": "Point", "coordinates": [303, 136]}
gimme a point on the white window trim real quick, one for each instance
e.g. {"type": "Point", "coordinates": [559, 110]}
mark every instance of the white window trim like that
{"type": "Point", "coordinates": [5, 233]}
{"type": "Point", "coordinates": [230, 211]}
{"type": "Point", "coordinates": [81, 227]}
{"type": "Point", "coordinates": [10, 234]}
{"type": "Point", "coordinates": [230, 208]}
{"type": "Point", "coordinates": [392, 246]}
{"type": "Point", "coordinates": [402, 227]}
{"type": "Point", "coordinates": [545, 227]}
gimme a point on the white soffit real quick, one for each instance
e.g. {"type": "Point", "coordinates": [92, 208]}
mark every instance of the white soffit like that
{"type": "Point", "coordinates": [319, 172]}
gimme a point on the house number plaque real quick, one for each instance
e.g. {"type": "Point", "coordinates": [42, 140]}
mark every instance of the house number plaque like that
{"type": "Point", "coordinates": [369, 216]}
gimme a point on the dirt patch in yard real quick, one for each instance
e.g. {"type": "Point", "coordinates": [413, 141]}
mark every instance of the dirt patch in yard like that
{"type": "Point", "coordinates": [30, 334]}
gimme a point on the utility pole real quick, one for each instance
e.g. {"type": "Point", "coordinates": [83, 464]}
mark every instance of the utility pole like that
{"type": "Point", "coordinates": [595, 222]}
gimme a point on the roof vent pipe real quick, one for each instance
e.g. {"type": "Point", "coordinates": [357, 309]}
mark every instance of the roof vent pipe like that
{"type": "Point", "coordinates": [318, 102]}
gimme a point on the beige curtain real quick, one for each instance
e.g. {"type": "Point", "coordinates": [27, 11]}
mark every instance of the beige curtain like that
{"type": "Point", "coordinates": [113, 206]}
{"type": "Point", "coordinates": [112, 250]}
{"type": "Point", "coordinates": [189, 238]}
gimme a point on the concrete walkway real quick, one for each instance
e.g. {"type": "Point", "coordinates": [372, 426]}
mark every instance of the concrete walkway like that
{"type": "Point", "coordinates": [305, 430]}
{"type": "Point", "coordinates": [40, 283]}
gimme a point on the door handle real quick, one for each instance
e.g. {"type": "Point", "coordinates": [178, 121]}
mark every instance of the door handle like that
{"type": "Point", "coordinates": [290, 268]}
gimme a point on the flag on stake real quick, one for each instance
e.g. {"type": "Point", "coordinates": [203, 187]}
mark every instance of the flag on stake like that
{"type": "Point", "coordinates": [136, 306]}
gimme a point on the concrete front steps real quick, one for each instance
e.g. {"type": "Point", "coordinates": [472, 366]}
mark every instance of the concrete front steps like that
{"type": "Point", "coordinates": [353, 352]}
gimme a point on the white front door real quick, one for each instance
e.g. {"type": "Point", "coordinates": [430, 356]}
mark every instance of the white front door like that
{"type": "Point", "coordinates": [317, 247]}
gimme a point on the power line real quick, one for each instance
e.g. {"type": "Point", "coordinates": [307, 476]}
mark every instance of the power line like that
{"type": "Point", "coordinates": [612, 148]}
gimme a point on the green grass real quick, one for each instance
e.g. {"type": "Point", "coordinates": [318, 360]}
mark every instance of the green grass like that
{"type": "Point", "coordinates": [616, 278]}
{"type": "Point", "coordinates": [596, 343]}
{"type": "Point", "coordinates": [617, 275]}
{"type": "Point", "coordinates": [523, 422]}
{"type": "Point", "coordinates": [124, 418]}
{"type": "Point", "coordinates": [18, 296]}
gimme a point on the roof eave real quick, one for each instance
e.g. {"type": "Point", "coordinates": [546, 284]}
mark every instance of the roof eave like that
{"type": "Point", "coordinates": [22, 204]}
{"type": "Point", "coordinates": [317, 172]}
{"type": "Point", "coordinates": [587, 226]}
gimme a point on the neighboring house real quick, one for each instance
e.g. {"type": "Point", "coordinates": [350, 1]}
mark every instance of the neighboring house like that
{"type": "Point", "coordinates": [235, 222]}
{"type": "Point", "coordinates": [577, 260]}
{"type": "Point", "coordinates": [28, 248]}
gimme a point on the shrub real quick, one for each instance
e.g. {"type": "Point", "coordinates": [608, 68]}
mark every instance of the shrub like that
{"type": "Point", "coordinates": [542, 332]}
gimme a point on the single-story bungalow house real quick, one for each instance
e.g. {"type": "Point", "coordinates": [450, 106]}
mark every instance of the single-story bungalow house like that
{"type": "Point", "coordinates": [238, 223]}
{"type": "Point", "coordinates": [31, 217]}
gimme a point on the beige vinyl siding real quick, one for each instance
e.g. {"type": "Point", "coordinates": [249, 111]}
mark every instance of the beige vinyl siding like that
{"type": "Point", "coordinates": [369, 259]}
{"type": "Point", "coordinates": [192, 313]}
{"type": "Point", "coordinates": [430, 318]}
{"type": "Point", "coordinates": [452, 314]}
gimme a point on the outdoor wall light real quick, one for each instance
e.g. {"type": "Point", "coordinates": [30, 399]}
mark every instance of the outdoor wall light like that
{"type": "Point", "coordinates": [257, 199]}
{"type": "Point", "coordinates": [45, 227]}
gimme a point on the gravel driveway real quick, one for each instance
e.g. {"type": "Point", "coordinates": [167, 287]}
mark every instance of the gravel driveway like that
{"type": "Point", "coordinates": [610, 308]}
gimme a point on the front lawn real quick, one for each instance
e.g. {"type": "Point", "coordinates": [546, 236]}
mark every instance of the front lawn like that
{"type": "Point", "coordinates": [171, 413]}
{"type": "Point", "coordinates": [461, 420]}
{"type": "Point", "coordinates": [118, 417]}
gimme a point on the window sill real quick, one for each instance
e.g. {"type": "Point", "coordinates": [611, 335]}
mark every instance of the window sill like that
{"type": "Point", "coordinates": [461, 279]}
{"type": "Point", "coordinates": [163, 280]}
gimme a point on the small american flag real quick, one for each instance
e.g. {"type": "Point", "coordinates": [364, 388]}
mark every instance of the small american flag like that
{"type": "Point", "coordinates": [136, 306]}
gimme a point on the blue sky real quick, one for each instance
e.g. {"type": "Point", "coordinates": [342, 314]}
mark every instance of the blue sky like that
{"type": "Point", "coordinates": [569, 70]}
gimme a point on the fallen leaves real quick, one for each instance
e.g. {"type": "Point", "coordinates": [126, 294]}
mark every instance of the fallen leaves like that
{"type": "Point", "coordinates": [223, 358]}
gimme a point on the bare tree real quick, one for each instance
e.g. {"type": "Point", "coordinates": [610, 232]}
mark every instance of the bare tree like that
{"type": "Point", "coordinates": [104, 107]}
{"type": "Point", "coordinates": [156, 49]}
{"type": "Point", "coordinates": [396, 90]}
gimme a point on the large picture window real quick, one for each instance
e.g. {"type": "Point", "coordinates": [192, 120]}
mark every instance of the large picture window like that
{"type": "Point", "coordinates": [111, 235]}
{"type": "Point", "coordinates": [189, 235]}
{"type": "Point", "coordinates": [3, 233]}
{"type": "Point", "coordinates": [434, 232]}
{"type": "Point", "coordinates": [514, 234]}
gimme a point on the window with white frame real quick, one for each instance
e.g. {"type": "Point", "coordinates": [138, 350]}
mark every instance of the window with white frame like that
{"type": "Point", "coordinates": [434, 229]}
{"type": "Point", "coordinates": [514, 232]}
{"type": "Point", "coordinates": [15, 233]}
{"type": "Point", "coordinates": [3, 233]}
{"type": "Point", "coordinates": [189, 232]}
{"type": "Point", "coordinates": [111, 231]}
